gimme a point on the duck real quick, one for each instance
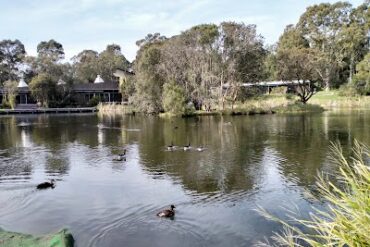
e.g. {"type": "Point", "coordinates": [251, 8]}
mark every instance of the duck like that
{"type": "Point", "coordinates": [167, 213]}
{"type": "Point", "coordinates": [121, 157]}
{"type": "Point", "coordinates": [187, 147]}
{"type": "Point", "coordinates": [200, 149]}
{"type": "Point", "coordinates": [46, 185]}
{"type": "Point", "coordinates": [170, 147]}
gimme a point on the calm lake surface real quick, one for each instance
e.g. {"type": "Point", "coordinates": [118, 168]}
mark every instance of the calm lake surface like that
{"type": "Point", "coordinates": [249, 161]}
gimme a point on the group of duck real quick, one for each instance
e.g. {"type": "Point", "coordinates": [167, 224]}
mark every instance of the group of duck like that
{"type": "Point", "coordinates": [166, 213]}
{"type": "Point", "coordinates": [185, 148]}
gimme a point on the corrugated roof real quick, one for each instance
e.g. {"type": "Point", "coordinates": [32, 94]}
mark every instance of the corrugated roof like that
{"type": "Point", "coordinates": [95, 87]}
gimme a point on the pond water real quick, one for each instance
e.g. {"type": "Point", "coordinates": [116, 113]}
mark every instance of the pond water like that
{"type": "Point", "coordinates": [248, 161]}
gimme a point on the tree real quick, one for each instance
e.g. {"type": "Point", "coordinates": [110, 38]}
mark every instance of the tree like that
{"type": "Point", "coordinates": [321, 25]}
{"type": "Point", "coordinates": [11, 90]}
{"type": "Point", "coordinates": [362, 76]}
{"type": "Point", "coordinates": [12, 54]}
{"type": "Point", "coordinates": [149, 79]}
{"type": "Point", "coordinates": [297, 62]}
{"type": "Point", "coordinates": [43, 88]}
{"type": "Point", "coordinates": [52, 50]}
{"type": "Point", "coordinates": [86, 66]}
{"type": "Point", "coordinates": [242, 57]}
{"type": "Point", "coordinates": [109, 60]}
{"type": "Point", "coordinates": [150, 38]}
{"type": "Point", "coordinates": [173, 98]}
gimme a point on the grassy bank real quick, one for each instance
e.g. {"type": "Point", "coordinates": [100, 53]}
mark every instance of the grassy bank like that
{"type": "Point", "coordinates": [265, 104]}
{"type": "Point", "coordinates": [332, 99]}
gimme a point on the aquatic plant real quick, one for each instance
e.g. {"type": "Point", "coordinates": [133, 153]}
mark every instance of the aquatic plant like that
{"type": "Point", "coordinates": [346, 220]}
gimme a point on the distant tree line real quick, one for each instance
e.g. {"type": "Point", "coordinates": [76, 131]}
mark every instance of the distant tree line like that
{"type": "Point", "coordinates": [205, 66]}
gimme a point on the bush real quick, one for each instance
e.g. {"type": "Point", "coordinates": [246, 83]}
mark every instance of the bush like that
{"type": "Point", "coordinates": [173, 99]}
{"type": "Point", "coordinates": [298, 107]}
{"type": "Point", "coordinates": [348, 90]}
{"type": "Point", "coordinates": [347, 218]}
{"type": "Point", "coordinates": [5, 105]}
{"type": "Point", "coordinates": [94, 101]}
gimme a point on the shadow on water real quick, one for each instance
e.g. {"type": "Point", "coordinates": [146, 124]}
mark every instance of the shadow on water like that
{"type": "Point", "coordinates": [247, 161]}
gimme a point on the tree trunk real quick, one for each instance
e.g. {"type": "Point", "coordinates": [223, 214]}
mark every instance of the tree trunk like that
{"type": "Point", "coordinates": [351, 68]}
{"type": "Point", "coordinates": [327, 82]}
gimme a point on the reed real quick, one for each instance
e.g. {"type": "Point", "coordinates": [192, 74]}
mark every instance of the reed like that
{"type": "Point", "coordinates": [346, 222]}
{"type": "Point", "coordinates": [114, 109]}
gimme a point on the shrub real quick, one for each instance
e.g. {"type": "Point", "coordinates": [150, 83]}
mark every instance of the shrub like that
{"type": "Point", "coordinates": [173, 99]}
{"type": "Point", "coordinates": [94, 101]}
{"type": "Point", "coordinates": [347, 218]}
{"type": "Point", "coordinates": [348, 90]}
{"type": "Point", "coordinates": [298, 107]}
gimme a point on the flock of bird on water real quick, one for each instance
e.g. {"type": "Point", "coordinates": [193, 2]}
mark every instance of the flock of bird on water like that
{"type": "Point", "coordinates": [167, 213]}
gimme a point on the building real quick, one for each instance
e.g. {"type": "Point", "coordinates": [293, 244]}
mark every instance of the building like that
{"type": "Point", "coordinates": [83, 93]}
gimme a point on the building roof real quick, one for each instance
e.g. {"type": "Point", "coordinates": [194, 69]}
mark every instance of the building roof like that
{"type": "Point", "coordinates": [22, 83]}
{"type": "Point", "coordinates": [95, 87]}
{"type": "Point", "coordinates": [98, 79]}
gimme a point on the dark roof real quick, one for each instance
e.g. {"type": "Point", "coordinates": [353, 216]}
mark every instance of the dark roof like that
{"type": "Point", "coordinates": [20, 90]}
{"type": "Point", "coordinates": [95, 87]}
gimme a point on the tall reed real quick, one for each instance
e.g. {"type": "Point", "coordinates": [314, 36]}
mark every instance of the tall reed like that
{"type": "Point", "coordinates": [346, 222]}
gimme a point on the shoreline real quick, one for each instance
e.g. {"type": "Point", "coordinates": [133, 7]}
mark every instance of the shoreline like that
{"type": "Point", "coordinates": [48, 110]}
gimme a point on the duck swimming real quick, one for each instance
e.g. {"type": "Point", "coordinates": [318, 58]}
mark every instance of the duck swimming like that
{"type": "Point", "coordinates": [46, 185]}
{"type": "Point", "coordinates": [170, 147]}
{"type": "Point", "coordinates": [187, 147]}
{"type": "Point", "coordinates": [167, 212]}
{"type": "Point", "coordinates": [200, 149]}
{"type": "Point", "coordinates": [121, 157]}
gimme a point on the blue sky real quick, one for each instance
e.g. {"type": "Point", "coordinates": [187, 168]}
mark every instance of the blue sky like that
{"type": "Point", "coordinates": [92, 24]}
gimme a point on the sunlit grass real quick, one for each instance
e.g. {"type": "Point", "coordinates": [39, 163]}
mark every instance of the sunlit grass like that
{"type": "Point", "coordinates": [346, 222]}
{"type": "Point", "coordinates": [332, 99]}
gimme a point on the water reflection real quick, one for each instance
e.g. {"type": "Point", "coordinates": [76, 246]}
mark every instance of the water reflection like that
{"type": "Point", "coordinates": [264, 160]}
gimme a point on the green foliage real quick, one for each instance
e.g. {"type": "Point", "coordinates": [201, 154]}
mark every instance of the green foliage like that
{"type": "Point", "coordinates": [149, 79]}
{"type": "Point", "coordinates": [94, 101]}
{"type": "Point", "coordinates": [109, 60]}
{"type": "Point", "coordinates": [298, 107]}
{"type": "Point", "coordinates": [11, 89]}
{"type": "Point", "coordinates": [126, 87]}
{"type": "Point", "coordinates": [12, 54]}
{"type": "Point", "coordinates": [347, 90]}
{"type": "Point", "coordinates": [43, 88]}
{"type": "Point", "coordinates": [361, 79]}
{"type": "Point", "coordinates": [50, 50]}
{"type": "Point", "coordinates": [346, 220]}
{"type": "Point", "coordinates": [173, 98]}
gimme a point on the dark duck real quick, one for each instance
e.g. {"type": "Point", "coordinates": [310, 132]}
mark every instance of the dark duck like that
{"type": "Point", "coordinates": [46, 185]}
{"type": "Point", "coordinates": [167, 213]}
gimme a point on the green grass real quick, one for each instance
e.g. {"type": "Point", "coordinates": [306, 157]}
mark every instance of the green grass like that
{"type": "Point", "coordinates": [346, 222]}
{"type": "Point", "coordinates": [332, 99]}
{"type": "Point", "coordinates": [298, 107]}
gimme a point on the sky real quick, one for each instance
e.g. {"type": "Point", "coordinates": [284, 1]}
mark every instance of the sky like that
{"type": "Point", "coordinates": [92, 24]}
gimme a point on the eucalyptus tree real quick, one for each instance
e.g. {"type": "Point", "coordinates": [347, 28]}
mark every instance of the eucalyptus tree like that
{"type": "Point", "coordinates": [242, 58]}
{"type": "Point", "coordinates": [109, 60]}
{"type": "Point", "coordinates": [43, 88]}
{"type": "Point", "coordinates": [362, 76]}
{"type": "Point", "coordinates": [149, 79]}
{"type": "Point", "coordinates": [354, 37]}
{"type": "Point", "coordinates": [322, 26]}
{"type": "Point", "coordinates": [296, 61]}
{"type": "Point", "coordinates": [12, 54]}
{"type": "Point", "coordinates": [85, 66]}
